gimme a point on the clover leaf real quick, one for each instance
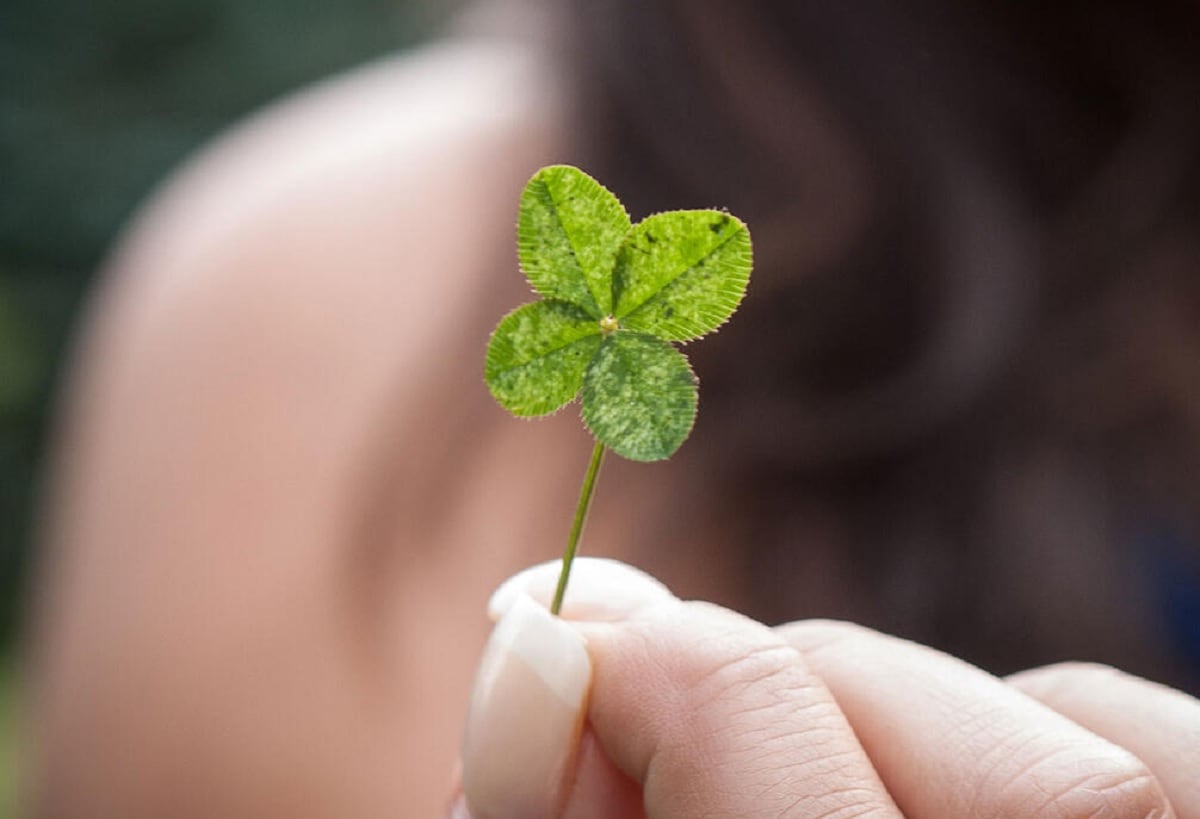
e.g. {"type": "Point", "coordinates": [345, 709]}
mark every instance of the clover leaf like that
{"type": "Point", "coordinates": [615, 296]}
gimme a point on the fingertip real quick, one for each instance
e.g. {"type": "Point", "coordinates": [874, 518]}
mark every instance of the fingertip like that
{"type": "Point", "coordinates": [525, 716]}
{"type": "Point", "coordinates": [601, 589]}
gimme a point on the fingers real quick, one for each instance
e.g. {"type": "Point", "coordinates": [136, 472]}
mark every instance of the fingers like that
{"type": "Point", "coordinates": [1158, 724]}
{"type": "Point", "coordinates": [599, 791]}
{"type": "Point", "coordinates": [529, 702]}
{"type": "Point", "coordinates": [950, 740]}
{"type": "Point", "coordinates": [525, 716]}
{"type": "Point", "coordinates": [600, 589]}
{"type": "Point", "coordinates": [698, 711]}
{"type": "Point", "coordinates": [695, 711]}
{"type": "Point", "coordinates": [715, 715]}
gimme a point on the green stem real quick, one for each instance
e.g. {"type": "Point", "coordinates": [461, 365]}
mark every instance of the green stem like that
{"type": "Point", "coordinates": [581, 511]}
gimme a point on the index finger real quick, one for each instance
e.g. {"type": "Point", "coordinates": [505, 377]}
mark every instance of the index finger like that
{"type": "Point", "coordinates": [716, 715]}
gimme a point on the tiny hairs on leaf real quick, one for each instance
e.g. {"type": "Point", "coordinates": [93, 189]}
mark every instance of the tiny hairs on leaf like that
{"type": "Point", "coordinates": [615, 297]}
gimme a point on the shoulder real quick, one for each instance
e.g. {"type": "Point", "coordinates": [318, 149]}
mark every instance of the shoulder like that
{"type": "Point", "coordinates": [322, 224]}
{"type": "Point", "coordinates": [302, 278]}
{"type": "Point", "coordinates": [397, 153]}
{"type": "Point", "coordinates": [271, 337]}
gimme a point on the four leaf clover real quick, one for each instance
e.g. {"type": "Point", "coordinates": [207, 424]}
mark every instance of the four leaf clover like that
{"type": "Point", "coordinates": [614, 298]}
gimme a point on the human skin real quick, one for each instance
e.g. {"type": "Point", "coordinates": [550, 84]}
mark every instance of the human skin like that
{"type": "Point", "coordinates": [697, 711]}
{"type": "Point", "coordinates": [281, 495]}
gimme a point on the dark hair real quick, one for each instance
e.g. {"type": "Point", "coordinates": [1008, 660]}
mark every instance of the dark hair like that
{"type": "Point", "coordinates": [958, 402]}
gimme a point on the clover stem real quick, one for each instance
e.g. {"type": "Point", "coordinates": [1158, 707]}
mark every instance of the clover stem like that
{"type": "Point", "coordinates": [581, 512]}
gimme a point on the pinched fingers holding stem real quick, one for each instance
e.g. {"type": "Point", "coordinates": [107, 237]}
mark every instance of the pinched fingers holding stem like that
{"type": "Point", "coordinates": [646, 706]}
{"type": "Point", "coordinates": [714, 715]}
{"type": "Point", "coordinates": [694, 711]}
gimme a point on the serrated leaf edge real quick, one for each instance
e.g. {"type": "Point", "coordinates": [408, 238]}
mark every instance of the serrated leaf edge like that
{"type": "Point", "coordinates": [695, 409]}
{"type": "Point", "coordinates": [594, 310]}
{"type": "Point", "coordinates": [741, 298]}
{"type": "Point", "coordinates": [487, 359]}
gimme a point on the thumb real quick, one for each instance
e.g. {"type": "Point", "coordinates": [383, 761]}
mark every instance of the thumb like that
{"type": "Point", "coordinates": [710, 713]}
{"type": "Point", "coordinates": [525, 749]}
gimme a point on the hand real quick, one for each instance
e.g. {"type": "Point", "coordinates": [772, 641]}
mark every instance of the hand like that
{"type": "Point", "coordinates": [696, 711]}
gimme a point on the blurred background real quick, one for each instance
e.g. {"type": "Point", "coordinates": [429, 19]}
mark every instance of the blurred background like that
{"type": "Point", "coordinates": [996, 465]}
{"type": "Point", "coordinates": [98, 100]}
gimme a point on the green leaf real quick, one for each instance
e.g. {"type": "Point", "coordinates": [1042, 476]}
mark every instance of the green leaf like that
{"type": "Point", "coordinates": [537, 356]}
{"type": "Point", "coordinates": [681, 274]}
{"type": "Point", "coordinates": [639, 396]}
{"type": "Point", "coordinates": [568, 230]}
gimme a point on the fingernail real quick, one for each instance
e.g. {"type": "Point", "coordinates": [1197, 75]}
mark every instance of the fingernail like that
{"type": "Point", "coordinates": [600, 589]}
{"type": "Point", "coordinates": [525, 715]}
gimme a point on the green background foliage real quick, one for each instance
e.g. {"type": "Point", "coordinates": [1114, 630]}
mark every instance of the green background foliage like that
{"type": "Point", "coordinates": [98, 99]}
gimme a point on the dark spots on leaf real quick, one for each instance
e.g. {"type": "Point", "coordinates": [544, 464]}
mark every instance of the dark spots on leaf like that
{"type": "Point", "coordinates": [719, 224]}
{"type": "Point", "coordinates": [651, 238]}
{"type": "Point", "coordinates": [668, 311]}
